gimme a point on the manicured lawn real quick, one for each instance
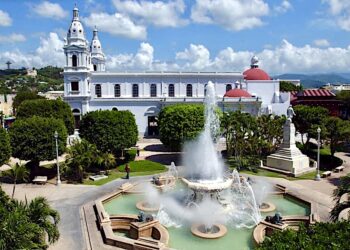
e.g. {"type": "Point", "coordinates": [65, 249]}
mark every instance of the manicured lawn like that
{"type": "Point", "coordinates": [266, 173]}
{"type": "Point", "coordinates": [138, 168]}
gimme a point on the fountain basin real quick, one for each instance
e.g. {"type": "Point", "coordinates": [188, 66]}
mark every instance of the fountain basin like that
{"type": "Point", "coordinates": [145, 206]}
{"type": "Point", "coordinates": [214, 186]}
{"type": "Point", "coordinates": [216, 231]}
{"type": "Point", "coordinates": [267, 207]}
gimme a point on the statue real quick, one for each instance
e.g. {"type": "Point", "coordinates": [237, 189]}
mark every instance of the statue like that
{"type": "Point", "coordinates": [276, 219]}
{"type": "Point", "coordinates": [142, 217]}
{"type": "Point", "coordinates": [290, 113]}
{"type": "Point", "coordinates": [156, 181]}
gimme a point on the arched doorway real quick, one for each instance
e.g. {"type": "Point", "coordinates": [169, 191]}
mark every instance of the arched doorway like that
{"type": "Point", "coordinates": [77, 117]}
{"type": "Point", "coordinates": [152, 121]}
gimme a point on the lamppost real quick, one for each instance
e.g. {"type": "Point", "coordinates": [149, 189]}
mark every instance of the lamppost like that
{"type": "Point", "coordinates": [318, 177]}
{"type": "Point", "coordinates": [58, 165]}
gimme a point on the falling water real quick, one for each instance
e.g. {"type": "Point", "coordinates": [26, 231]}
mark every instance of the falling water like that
{"type": "Point", "coordinates": [201, 158]}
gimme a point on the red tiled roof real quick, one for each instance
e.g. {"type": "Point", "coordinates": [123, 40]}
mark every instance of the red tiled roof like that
{"type": "Point", "coordinates": [315, 93]}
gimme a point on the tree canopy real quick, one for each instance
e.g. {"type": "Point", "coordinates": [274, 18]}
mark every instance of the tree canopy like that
{"type": "Point", "coordinates": [288, 86]}
{"type": "Point", "coordinates": [5, 147]}
{"type": "Point", "coordinates": [337, 132]}
{"type": "Point", "coordinates": [179, 123]}
{"type": "Point", "coordinates": [318, 236]}
{"type": "Point", "coordinates": [22, 96]}
{"type": "Point", "coordinates": [110, 130]}
{"type": "Point", "coordinates": [33, 138]}
{"type": "Point", "coordinates": [47, 108]}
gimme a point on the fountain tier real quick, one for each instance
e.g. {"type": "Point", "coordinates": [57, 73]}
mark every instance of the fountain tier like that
{"type": "Point", "coordinates": [208, 186]}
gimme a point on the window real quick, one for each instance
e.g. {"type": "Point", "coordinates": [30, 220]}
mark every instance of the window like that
{"type": "Point", "coordinates": [228, 87]}
{"type": "Point", "coordinates": [189, 90]}
{"type": "Point", "coordinates": [135, 90]}
{"type": "Point", "coordinates": [98, 90]}
{"type": "Point", "coordinates": [117, 90]}
{"type": "Point", "coordinates": [95, 67]}
{"type": "Point", "coordinates": [153, 90]}
{"type": "Point", "coordinates": [74, 61]}
{"type": "Point", "coordinates": [171, 90]}
{"type": "Point", "coordinates": [74, 86]}
{"type": "Point", "coordinates": [205, 89]}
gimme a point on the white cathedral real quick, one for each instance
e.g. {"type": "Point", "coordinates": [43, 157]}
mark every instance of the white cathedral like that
{"type": "Point", "coordinates": [89, 87]}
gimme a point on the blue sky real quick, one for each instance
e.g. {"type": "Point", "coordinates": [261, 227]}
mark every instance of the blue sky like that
{"type": "Point", "coordinates": [304, 36]}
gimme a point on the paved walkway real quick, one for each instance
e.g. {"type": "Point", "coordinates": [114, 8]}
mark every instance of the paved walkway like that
{"type": "Point", "coordinates": [68, 199]}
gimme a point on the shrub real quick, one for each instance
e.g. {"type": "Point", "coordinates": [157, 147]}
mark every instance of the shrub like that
{"type": "Point", "coordinates": [179, 123]}
{"type": "Point", "coordinates": [22, 96]}
{"type": "Point", "coordinates": [5, 147]}
{"type": "Point", "coordinates": [250, 163]}
{"type": "Point", "coordinates": [110, 131]}
{"type": "Point", "coordinates": [33, 138]}
{"type": "Point", "coordinates": [130, 155]}
{"type": "Point", "coordinates": [47, 108]}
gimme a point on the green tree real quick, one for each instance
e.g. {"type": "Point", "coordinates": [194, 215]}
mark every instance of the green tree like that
{"type": "Point", "coordinates": [343, 188]}
{"type": "Point", "coordinates": [105, 161]}
{"type": "Point", "coordinates": [22, 96]}
{"type": "Point", "coordinates": [344, 96]}
{"type": "Point", "coordinates": [81, 157]}
{"type": "Point", "coordinates": [288, 86]}
{"type": "Point", "coordinates": [47, 108]}
{"type": "Point", "coordinates": [337, 131]}
{"type": "Point", "coordinates": [308, 118]}
{"type": "Point", "coordinates": [33, 138]}
{"type": "Point", "coordinates": [5, 147]}
{"type": "Point", "coordinates": [179, 123]}
{"type": "Point", "coordinates": [111, 131]}
{"type": "Point", "coordinates": [318, 236]}
{"type": "Point", "coordinates": [17, 173]}
{"type": "Point", "coordinates": [26, 225]}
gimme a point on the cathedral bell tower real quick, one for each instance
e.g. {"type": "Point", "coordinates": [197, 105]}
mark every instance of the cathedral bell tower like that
{"type": "Point", "coordinates": [98, 59]}
{"type": "Point", "coordinates": [78, 66]}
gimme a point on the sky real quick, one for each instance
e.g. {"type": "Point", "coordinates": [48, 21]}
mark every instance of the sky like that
{"type": "Point", "coordinates": [288, 36]}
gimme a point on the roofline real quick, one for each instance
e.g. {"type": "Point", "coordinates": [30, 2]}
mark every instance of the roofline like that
{"type": "Point", "coordinates": [167, 73]}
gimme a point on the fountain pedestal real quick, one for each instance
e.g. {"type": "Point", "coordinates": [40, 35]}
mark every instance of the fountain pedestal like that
{"type": "Point", "coordinates": [289, 159]}
{"type": "Point", "coordinates": [141, 229]}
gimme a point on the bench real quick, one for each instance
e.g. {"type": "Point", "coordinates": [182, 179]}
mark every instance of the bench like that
{"type": "Point", "coordinates": [338, 169]}
{"type": "Point", "coordinates": [40, 180]}
{"type": "Point", "coordinates": [326, 174]}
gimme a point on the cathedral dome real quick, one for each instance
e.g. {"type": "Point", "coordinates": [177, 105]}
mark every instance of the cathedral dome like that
{"type": "Point", "coordinates": [234, 93]}
{"type": "Point", "coordinates": [254, 73]}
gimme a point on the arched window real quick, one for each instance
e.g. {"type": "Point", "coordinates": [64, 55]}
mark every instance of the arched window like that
{"type": "Point", "coordinates": [117, 90]}
{"type": "Point", "coordinates": [114, 109]}
{"type": "Point", "coordinates": [171, 90]}
{"type": "Point", "coordinates": [189, 90]}
{"type": "Point", "coordinates": [98, 90]}
{"type": "Point", "coordinates": [205, 89]}
{"type": "Point", "coordinates": [74, 61]}
{"type": "Point", "coordinates": [135, 90]}
{"type": "Point", "coordinates": [228, 87]}
{"type": "Point", "coordinates": [153, 90]}
{"type": "Point", "coordinates": [95, 67]}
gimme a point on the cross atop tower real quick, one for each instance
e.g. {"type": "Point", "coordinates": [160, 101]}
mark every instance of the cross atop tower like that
{"type": "Point", "coordinates": [8, 64]}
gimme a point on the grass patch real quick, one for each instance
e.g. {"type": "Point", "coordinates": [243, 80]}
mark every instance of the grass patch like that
{"type": "Point", "coordinates": [267, 173]}
{"type": "Point", "coordinates": [138, 168]}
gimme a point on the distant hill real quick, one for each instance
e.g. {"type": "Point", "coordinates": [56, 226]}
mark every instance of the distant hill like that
{"type": "Point", "coordinates": [316, 80]}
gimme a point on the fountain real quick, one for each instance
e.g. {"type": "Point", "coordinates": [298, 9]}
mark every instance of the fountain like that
{"type": "Point", "coordinates": [213, 197]}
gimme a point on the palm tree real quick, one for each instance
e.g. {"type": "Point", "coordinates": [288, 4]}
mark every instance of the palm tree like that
{"type": "Point", "coordinates": [105, 160]}
{"type": "Point", "coordinates": [80, 157]}
{"type": "Point", "coordinates": [40, 213]}
{"type": "Point", "coordinates": [343, 188]}
{"type": "Point", "coordinates": [18, 172]}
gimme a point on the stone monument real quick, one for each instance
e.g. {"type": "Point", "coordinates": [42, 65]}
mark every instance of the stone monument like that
{"type": "Point", "coordinates": [289, 159]}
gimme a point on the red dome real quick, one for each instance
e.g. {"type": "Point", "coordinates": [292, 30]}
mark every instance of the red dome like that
{"type": "Point", "coordinates": [255, 74]}
{"type": "Point", "coordinates": [237, 93]}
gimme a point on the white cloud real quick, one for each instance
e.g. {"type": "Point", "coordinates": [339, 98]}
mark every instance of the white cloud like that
{"type": "Point", "coordinates": [283, 7]}
{"type": "Point", "coordinates": [50, 52]}
{"type": "Point", "coordinates": [197, 57]}
{"type": "Point", "coordinates": [230, 14]}
{"type": "Point", "coordinates": [50, 10]}
{"type": "Point", "coordinates": [321, 43]}
{"type": "Point", "coordinates": [340, 10]}
{"type": "Point", "coordinates": [158, 13]}
{"type": "Point", "coordinates": [12, 38]}
{"type": "Point", "coordinates": [5, 19]}
{"type": "Point", "coordinates": [116, 24]}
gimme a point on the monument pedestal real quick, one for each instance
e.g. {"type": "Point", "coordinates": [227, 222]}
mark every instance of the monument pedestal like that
{"type": "Point", "coordinates": [289, 159]}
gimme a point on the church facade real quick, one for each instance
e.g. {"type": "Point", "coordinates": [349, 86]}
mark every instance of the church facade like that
{"type": "Point", "coordinates": [89, 87]}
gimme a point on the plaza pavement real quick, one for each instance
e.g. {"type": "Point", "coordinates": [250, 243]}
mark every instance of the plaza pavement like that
{"type": "Point", "coordinates": [68, 199]}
